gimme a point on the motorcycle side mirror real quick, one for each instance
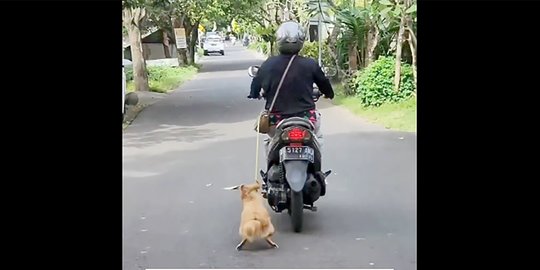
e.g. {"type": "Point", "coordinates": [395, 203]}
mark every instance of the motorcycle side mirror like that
{"type": "Point", "coordinates": [316, 93]}
{"type": "Point", "coordinates": [329, 71]}
{"type": "Point", "coordinates": [253, 70]}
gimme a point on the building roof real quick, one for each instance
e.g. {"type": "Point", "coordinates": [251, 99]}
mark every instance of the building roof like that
{"type": "Point", "coordinates": [147, 37]}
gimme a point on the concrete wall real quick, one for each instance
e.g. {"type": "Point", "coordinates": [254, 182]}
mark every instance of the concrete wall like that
{"type": "Point", "coordinates": [154, 51]}
{"type": "Point", "coordinates": [151, 51]}
{"type": "Point", "coordinates": [313, 28]}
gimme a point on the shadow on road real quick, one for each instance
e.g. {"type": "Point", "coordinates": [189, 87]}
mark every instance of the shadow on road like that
{"type": "Point", "coordinates": [168, 133]}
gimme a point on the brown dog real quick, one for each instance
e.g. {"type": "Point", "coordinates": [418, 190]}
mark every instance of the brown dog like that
{"type": "Point", "coordinates": [255, 221]}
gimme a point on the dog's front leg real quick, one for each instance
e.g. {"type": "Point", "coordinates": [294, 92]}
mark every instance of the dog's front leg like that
{"type": "Point", "coordinates": [239, 247]}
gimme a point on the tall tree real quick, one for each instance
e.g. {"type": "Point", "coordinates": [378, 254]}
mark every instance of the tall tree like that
{"type": "Point", "coordinates": [405, 10]}
{"type": "Point", "coordinates": [159, 15]}
{"type": "Point", "coordinates": [133, 14]}
{"type": "Point", "coordinates": [188, 14]}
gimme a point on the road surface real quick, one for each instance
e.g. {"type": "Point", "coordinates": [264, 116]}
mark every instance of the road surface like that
{"type": "Point", "coordinates": [180, 152]}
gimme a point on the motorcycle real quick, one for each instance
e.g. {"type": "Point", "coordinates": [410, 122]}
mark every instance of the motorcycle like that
{"type": "Point", "coordinates": [293, 179]}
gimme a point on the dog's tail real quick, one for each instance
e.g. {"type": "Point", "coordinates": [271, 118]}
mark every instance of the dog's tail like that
{"type": "Point", "coordinates": [251, 229]}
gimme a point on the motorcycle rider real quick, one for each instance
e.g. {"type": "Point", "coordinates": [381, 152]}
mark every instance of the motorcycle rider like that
{"type": "Point", "coordinates": [295, 97]}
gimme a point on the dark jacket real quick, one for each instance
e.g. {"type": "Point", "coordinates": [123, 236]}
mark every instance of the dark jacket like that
{"type": "Point", "coordinates": [296, 93]}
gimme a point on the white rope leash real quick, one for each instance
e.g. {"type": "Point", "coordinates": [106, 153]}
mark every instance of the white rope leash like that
{"type": "Point", "coordinates": [257, 150]}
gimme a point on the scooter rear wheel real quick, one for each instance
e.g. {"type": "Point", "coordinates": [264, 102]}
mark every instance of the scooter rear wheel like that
{"type": "Point", "coordinates": [296, 210]}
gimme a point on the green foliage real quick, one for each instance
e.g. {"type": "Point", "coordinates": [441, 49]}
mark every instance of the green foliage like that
{"type": "Point", "coordinates": [311, 50]}
{"type": "Point", "coordinates": [245, 10]}
{"type": "Point", "coordinates": [259, 46]}
{"type": "Point", "coordinates": [374, 84]}
{"type": "Point", "coordinates": [129, 73]}
{"type": "Point", "coordinates": [316, 7]}
{"type": "Point", "coordinates": [343, 52]}
{"type": "Point", "coordinates": [132, 3]}
{"type": "Point", "coordinates": [246, 26]}
{"type": "Point", "coordinates": [236, 27]}
{"type": "Point", "coordinates": [159, 14]}
{"type": "Point", "coordinates": [267, 33]}
{"type": "Point", "coordinates": [355, 22]}
{"type": "Point", "coordinates": [253, 45]}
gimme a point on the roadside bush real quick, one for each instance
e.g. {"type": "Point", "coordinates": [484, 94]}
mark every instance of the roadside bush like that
{"type": "Point", "coordinates": [252, 45]}
{"type": "Point", "coordinates": [162, 79]}
{"type": "Point", "coordinates": [158, 73]}
{"type": "Point", "coordinates": [263, 47]}
{"type": "Point", "coordinates": [259, 46]}
{"type": "Point", "coordinates": [311, 50]}
{"type": "Point", "coordinates": [129, 73]}
{"type": "Point", "coordinates": [374, 85]}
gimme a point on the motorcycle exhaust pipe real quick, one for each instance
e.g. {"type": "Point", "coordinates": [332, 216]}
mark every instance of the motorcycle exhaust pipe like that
{"type": "Point", "coordinates": [313, 188]}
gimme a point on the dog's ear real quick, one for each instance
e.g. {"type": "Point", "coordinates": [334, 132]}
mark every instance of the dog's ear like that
{"type": "Point", "coordinates": [244, 191]}
{"type": "Point", "coordinates": [258, 186]}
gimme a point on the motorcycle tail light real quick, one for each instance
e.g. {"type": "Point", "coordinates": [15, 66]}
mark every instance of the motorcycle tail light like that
{"type": "Point", "coordinates": [297, 134]}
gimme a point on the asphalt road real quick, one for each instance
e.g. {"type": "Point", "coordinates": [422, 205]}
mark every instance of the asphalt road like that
{"type": "Point", "coordinates": [180, 152]}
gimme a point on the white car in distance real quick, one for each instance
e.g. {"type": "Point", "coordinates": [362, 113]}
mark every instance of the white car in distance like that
{"type": "Point", "coordinates": [214, 44]}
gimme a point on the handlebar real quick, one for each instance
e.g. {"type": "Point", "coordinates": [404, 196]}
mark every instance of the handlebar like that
{"type": "Point", "coordinates": [316, 94]}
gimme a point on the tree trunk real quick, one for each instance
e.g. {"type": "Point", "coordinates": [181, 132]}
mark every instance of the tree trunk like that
{"type": "Point", "coordinates": [181, 53]}
{"type": "Point", "coordinates": [140, 75]}
{"type": "Point", "coordinates": [399, 49]}
{"type": "Point", "coordinates": [189, 50]}
{"type": "Point", "coordinates": [194, 39]}
{"type": "Point", "coordinates": [353, 57]}
{"type": "Point", "coordinates": [334, 49]}
{"type": "Point", "coordinates": [362, 54]}
{"type": "Point", "coordinates": [412, 45]}
{"type": "Point", "coordinates": [373, 41]}
{"type": "Point", "coordinates": [182, 57]}
{"type": "Point", "coordinates": [166, 44]}
{"type": "Point", "coordinates": [271, 49]}
{"type": "Point", "coordinates": [132, 18]}
{"type": "Point", "coordinates": [191, 38]}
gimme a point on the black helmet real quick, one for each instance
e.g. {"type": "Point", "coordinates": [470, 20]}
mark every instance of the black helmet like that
{"type": "Point", "coordinates": [290, 37]}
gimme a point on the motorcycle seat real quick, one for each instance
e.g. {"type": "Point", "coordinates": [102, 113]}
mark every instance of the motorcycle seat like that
{"type": "Point", "coordinates": [295, 121]}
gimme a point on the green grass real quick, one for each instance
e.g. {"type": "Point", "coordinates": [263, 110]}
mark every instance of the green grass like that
{"type": "Point", "coordinates": [397, 116]}
{"type": "Point", "coordinates": [164, 79]}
